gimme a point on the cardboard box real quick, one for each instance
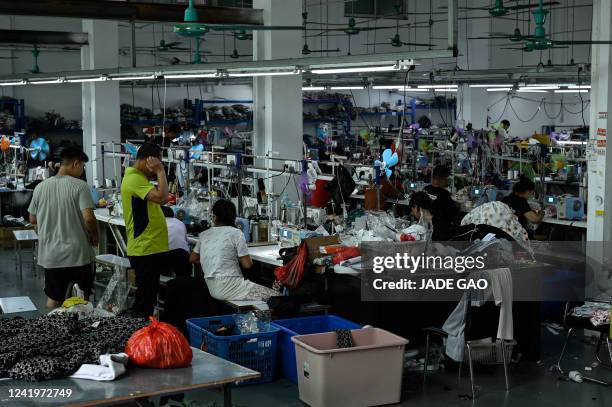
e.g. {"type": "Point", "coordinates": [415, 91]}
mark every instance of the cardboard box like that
{"type": "Point", "coordinates": [314, 243]}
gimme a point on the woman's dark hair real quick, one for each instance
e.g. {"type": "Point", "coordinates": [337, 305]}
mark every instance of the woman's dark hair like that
{"type": "Point", "coordinates": [523, 185]}
{"type": "Point", "coordinates": [168, 212]}
{"type": "Point", "coordinates": [505, 123]}
{"type": "Point", "coordinates": [422, 200]}
{"type": "Point", "coordinates": [175, 128]}
{"type": "Point", "coordinates": [225, 212]}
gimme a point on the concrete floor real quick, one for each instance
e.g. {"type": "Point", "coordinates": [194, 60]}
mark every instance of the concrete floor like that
{"type": "Point", "coordinates": [532, 385]}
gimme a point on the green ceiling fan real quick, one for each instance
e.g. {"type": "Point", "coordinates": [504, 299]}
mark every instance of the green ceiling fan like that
{"type": "Point", "coordinates": [35, 53]}
{"type": "Point", "coordinates": [540, 42]}
{"type": "Point", "coordinates": [500, 9]}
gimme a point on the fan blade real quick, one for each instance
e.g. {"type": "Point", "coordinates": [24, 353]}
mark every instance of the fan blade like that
{"type": "Point", "coordinates": [388, 172]}
{"type": "Point", "coordinates": [255, 27]}
{"type": "Point", "coordinates": [466, 8]}
{"type": "Point", "coordinates": [417, 44]}
{"type": "Point", "coordinates": [392, 161]}
{"type": "Point", "coordinates": [179, 48]}
{"type": "Point", "coordinates": [173, 44]}
{"type": "Point", "coordinates": [528, 6]}
{"type": "Point", "coordinates": [580, 42]}
{"type": "Point", "coordinates": [386, 155]}
{"type": "Point", "coordinates": [505, 37]}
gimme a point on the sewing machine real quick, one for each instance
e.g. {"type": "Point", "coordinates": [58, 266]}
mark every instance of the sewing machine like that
{"type": "Point", "coordinates": [317, 216]}
{"type": "Point", "coordinates": [570, 207]}
{"type": "Point", "coordinates": [289, 236]}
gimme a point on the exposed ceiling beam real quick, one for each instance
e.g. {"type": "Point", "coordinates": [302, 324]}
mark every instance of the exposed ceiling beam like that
{"type": "Point", "coordinates": [42, 37]}
{"type": "Point", "coordinates": [115, 10]}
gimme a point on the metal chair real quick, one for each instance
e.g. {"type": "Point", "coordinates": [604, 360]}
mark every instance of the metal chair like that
{"type": "Point", "coordinates": [572, 323]}
{"type": "Point", "coordinates": [495, 353]}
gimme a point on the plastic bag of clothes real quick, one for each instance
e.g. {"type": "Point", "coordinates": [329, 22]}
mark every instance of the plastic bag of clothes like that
{"type": "Point", "coordinates": [160, 346]}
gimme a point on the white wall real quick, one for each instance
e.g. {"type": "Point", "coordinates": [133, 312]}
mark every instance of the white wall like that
{"type": "Point", "coordinates": [519, 110]}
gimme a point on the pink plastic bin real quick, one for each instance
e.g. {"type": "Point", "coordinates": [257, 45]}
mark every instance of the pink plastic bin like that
{"type": "Point", "coordinates": [368, 374]}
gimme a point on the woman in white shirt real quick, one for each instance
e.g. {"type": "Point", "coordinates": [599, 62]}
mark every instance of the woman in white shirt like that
{"type": "Point", "coordinates": [221, 250]}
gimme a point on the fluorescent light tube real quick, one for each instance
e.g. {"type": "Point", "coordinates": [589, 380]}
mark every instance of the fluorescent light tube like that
{"type": "Point", "coordinates": [571, 142]}
{"type": "Point", "coordinates": [14, 83]}
{"type": "Point", "coordinates": [529, 90]}
{"type": "Point", "coordinates": [499, 90]}
{"type": "Point", "coordinates": [492, 86]}
{"type": "Point", "coordinates": [440, 86]}
{"type": "Point", "coordinates": [240, 75]}
{"type": "Point", "coordinates": [580, 87]}
{"type": "Point", "coordinates": [45, 82]}
{"type": "Point", "coordinates": [347, 87]}
{"type": "Point", "coordinates": [572, 91]}
{"type": "Point", "coordinates": [399, 87]}
{"type": "Point", "coordinates": [80, 80]}
{"type": "Point", "coordinates": [191, 76]}
{"type": "Point", "coordinates": [387, 68]}
{"type": "Point", "coordinates": [313, 88]}
{"type": "Point", "coordinates": [445, 90]}
{"type": "Point", "coordinates": [132, 78]}
{"type": "Point", "coordinates": [547, 87]}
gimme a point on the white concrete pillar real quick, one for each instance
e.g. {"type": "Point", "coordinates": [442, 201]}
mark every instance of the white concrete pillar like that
{"type": "Point", "coordinates": [599, 216]}
{"type": "Point", "coordinates": [101, 114]}
{"type": "Point", "coordinates": [472, 106]}
{"type": "Point", "coordinates": [278, 99]}
{"type": "Point", "coordinates": [473, 54]}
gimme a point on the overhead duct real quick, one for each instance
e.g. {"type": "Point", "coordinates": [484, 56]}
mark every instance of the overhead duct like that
{"type": "Point", "coordinates": [42, 37]}
{"type": "Point", "coordinates": [116, 10]}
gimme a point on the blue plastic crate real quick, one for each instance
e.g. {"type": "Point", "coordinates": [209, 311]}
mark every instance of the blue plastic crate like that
{"type": "Point", "coordinates": [255, 351]}
{"type": "Point", "coordinates": [304, 326]}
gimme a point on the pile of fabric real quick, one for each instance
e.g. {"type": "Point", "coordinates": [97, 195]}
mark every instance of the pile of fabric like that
{"type": "Point", "coordinates": [55, 346]}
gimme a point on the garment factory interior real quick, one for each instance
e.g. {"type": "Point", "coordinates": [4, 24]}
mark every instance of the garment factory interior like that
{"type": "Point", "coordinates": [305, 202]}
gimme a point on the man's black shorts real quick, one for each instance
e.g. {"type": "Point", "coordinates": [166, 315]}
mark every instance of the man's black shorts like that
{"type": "Point", "coordinates": [57, 280]}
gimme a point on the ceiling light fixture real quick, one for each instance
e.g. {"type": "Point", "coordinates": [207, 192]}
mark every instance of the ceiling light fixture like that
{"type": "Point", "coordinates": [440, 86]}
{"type": "Point", "coordinates": [247, 74]}
{"type": "Point", "coordinates": [491, 86]}
{"type": "Point", "coordinates": [82, 80]}
{"type": "Point", "coordinates": [313, 88]}
{"type": "Point", "coordinates": [330, 71]}
{"type": "Point", "coordinates": [445, 90]}
{"type": "Point", "coordinates": [579, 87]}
{"type": "Point", "coordinates": [399, 87]}
{"type": "Point", "coordinates": [191, 76]}
{"type": "Point", "coordinates": [45, 82]}
{"type": "Point", "coordinates": [132, 78]}
{"type": "Point", "coordinates": [499, 89]}
{"type": "Point", "coordinates": [347, 87]}
{"type": "Point", "coordinates": [531, 90]}
{"type": "Point", "coordinates": [13, 83]}
{"type": "Point", "coordinates": [572, 91]}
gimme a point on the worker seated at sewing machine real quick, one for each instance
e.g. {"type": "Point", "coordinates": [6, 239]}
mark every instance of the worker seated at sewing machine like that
{"type": "Point", "coordinates": [221, 251]}
{"type": "Point", "coordinates": [517, 200]}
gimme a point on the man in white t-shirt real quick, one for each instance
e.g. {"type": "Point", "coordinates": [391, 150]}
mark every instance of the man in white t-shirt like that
{"type": "Point", "coordinates": [178, 256]}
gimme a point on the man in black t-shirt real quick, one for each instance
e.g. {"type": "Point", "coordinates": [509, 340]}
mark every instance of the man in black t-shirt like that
{"type": "Point", "coordinates": [444, 209]}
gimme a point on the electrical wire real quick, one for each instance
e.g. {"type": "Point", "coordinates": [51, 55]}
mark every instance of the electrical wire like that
{"type": "Point", "coordinates": [519, 118]}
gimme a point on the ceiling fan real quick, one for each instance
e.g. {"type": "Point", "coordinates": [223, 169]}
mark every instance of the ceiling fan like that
{"type": "Point", "coordinates": [539, 40]}
{"type": "Point", "coordinates": [396, 41]}
{"type": "Point", "coordinates": [305, 49]}
{"type": "Point", "coordinates": [500, 9]}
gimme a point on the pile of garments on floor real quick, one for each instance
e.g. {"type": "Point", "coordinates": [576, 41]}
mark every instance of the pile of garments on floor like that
{"type": "Point", "coordinates": [55, 346]}
{"type": "Point", "coordinates": [598, 313]}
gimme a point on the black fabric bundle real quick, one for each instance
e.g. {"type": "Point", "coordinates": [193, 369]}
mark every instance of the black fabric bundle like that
{"type": "Point", "coordinates": [55, 346]}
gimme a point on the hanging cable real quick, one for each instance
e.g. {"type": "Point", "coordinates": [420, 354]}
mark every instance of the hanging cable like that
{"type": "Point", "coordinates": [519, 118]}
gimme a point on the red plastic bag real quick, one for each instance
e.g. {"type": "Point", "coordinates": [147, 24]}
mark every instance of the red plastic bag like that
{"type": "Point", "coordinates": [290, 275]}
{"type": "Point", "coordinates": [160, 346]}
{"type": "Point", "coordinates": [345, 254]}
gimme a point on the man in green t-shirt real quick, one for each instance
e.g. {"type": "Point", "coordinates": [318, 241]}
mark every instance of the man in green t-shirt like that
{"type": "Point", "coordinates": [147, 233]}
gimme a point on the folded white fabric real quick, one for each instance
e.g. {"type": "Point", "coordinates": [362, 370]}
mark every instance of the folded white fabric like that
{"type": "Point", "coordinates": [110, 368]}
